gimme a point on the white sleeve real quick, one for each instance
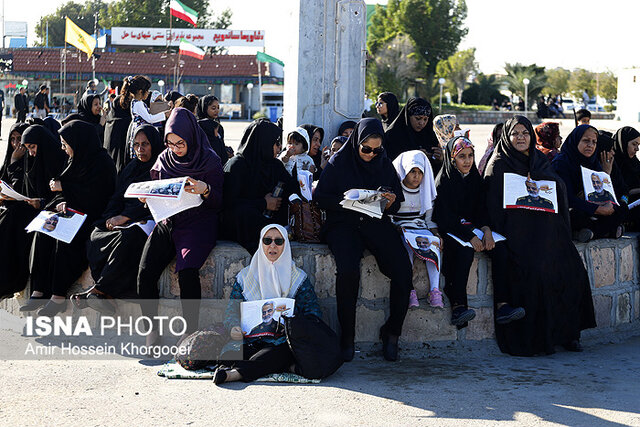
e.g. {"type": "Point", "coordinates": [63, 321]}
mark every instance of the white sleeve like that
{"type": "Point", "coordinates": [427, 218]}
{"type": "Point", "coordinates": [141, 110]}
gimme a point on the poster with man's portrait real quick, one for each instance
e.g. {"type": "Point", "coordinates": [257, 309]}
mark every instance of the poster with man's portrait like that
{"type": "Point", "coordinates": [522, 192]}
{"type": "Point", "coordinates": [598, 187]}
{"type": "Point", "coordinates": [264, 317]}
{"type": "Point", "coordinates": [424, 245]}
{"type": "Point", "coordinates": [61, 226]}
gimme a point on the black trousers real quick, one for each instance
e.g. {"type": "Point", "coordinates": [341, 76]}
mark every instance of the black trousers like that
{"type": "Point", "coordinates": [262, 360]}
{"type": "Point", "coordinates": [159, 250]}
{"type": "Point", "coordinates": [457, 264]}
{"type": "Point", "coordinates": [602, 226]}
{"type": "Point", "coordinates": [114, 257]}
{"type": "Point", "coordinates": [21, 116]}
{"type": "Point", "coordinates": [347, 242]}
{"type": "Point", "coordinates": [55, 265]}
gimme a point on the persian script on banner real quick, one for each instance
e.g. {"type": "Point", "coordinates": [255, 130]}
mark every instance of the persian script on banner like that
{"type": "Point", "coordinates": [598, 187]}
{"type": "Point", "coordinates": [521, 192]}
{"type": "Point", "coordinates": [136, 36]}
{"type": "Point", "coordinates": [264, 317]}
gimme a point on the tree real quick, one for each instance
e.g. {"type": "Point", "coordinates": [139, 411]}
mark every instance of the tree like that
{"type": "Point", "coordinates": [483, 90]}
{"type": "Point", "coordinates": [458, 68]}
{"type": "Point", "coordinates": [435, 27]}
{"type": "Point", "coordinates": [394, 68]}
{"type": "Point", "coordinates": [125, 13]}
{"type": "Point", "coordinates": [516, 73]}
{"type": "Point", "coordinates": [81, 14]}
{"type": "Point", "coordinates": [608, 85]}
{"type": "Point", "coordinates": [557, 81]}
{"type": "Point", "coordinates": [582, 80]}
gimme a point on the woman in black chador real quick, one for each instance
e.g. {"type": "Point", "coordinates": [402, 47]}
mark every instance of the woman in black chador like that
{"type": "Point", "coordinates": [85, 185]}
{"type": "Point", "coordinates": [115, 131]}
{"type": "Point", "coordinates": [413, 130]}
{"type": "Point", "coordinates": [43, 162]}
{"type": "Point", "coordinates": [545, 272]}
{"type": "Point", "coordinates": [362, 164]}
{"type": "Point", "coordinates": [250, 178]}
{"type": "Point", "coordinates": [114, 253]}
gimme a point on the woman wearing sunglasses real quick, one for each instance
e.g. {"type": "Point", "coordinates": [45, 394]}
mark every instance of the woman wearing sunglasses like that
{"type": "Point", "coordinates": [271, 274]}
{"type": "Point", "coordinates": [362, 164]}
{"type": "Point", "coordinates": [188, 236]}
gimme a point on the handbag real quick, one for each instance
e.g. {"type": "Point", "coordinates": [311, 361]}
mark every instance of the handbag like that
{"type": "Point", "coordinates": [315, 346]}
{"type": "Point", "coordinates": [202, 347]}
{"type": "Point", "coordinates": [306, 220]}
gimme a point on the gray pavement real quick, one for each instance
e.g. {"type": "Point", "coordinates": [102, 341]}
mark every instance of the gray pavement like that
{"type": "Point", "coordinates": [431, 387]}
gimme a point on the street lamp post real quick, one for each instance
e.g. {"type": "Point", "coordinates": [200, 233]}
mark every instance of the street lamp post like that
{"type": "Point", "coordinates": [526, 95]}
{"type": "Point", "coordinates": [441, 81]}
{"type": "Point", "coordinates": [249, 86]}
{"type": "Point", "coordinates": [161, 85]}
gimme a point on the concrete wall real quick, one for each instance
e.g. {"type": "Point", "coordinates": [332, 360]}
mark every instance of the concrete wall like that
{"type": "Point", "coordinates": [493, 117]}
{"type": "Point", "coordinates": [325, 65]}
{"type": "Point", "coordinates": [628, 108]}
{"type": "Point", "coordinates": [613, 267]}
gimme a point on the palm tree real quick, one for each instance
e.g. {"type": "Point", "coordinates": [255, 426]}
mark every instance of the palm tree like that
{"type": "Point", "coordinates": [516, 73]}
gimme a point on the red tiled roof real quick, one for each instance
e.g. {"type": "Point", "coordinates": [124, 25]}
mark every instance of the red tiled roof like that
{"type": "Point", "coordinates": [132, 63]}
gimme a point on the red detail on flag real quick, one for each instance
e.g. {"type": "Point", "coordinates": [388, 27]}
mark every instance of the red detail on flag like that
{"type": "Point", "coordinates": [182, 16]}
{"type": "Point", "coordinates": [191, 54]}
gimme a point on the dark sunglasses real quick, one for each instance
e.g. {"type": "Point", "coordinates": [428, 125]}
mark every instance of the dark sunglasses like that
{"type": "Point", "coordinates": [268, 240]}
{"type": "Point", "coordinates": [368, 150]}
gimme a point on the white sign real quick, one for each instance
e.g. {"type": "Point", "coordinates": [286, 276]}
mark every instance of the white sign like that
{"type": "Point", "coordinates": [521, 192]}
{"type": "Point", "coordinates": [424, 245]}
{"type": "Point", "coordinates": [15, 29]}
{"type": "Point", "coordinates": [598, 188]}
{"type": "Point", "coordinates": [165, 197]}
{"type": "Point", "coordinates": [135, 36]}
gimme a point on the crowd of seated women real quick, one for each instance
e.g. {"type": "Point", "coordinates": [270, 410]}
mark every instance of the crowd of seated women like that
{"type": "Point", "coordinates": [542, 294]}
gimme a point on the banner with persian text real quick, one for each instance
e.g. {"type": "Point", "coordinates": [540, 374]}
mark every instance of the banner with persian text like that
{"type": "Point", "coordinates": [134, 36]}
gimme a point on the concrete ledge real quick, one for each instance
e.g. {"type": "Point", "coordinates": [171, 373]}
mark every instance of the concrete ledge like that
{"type": "Point", "coordinates": [613, 267]}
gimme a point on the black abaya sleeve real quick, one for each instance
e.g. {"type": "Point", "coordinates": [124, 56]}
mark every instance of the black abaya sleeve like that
{"type": "Point", "coordinates": [237, 185]}
{"type": "Point", "coordinates": [327, 193]}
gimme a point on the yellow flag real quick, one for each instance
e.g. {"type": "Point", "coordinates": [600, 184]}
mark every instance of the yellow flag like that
{"type": "Point", "coordinates": [77, 37]}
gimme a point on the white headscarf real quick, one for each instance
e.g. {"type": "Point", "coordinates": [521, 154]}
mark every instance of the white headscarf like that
{"type": "Point", "coordinates": [417, 159]}
{"type": "Point", "coordinates": [154, 95]}
{"type": "Point", "coordinates": [303, 132]}
{"type": "Point", "coordinates": [264, 279]}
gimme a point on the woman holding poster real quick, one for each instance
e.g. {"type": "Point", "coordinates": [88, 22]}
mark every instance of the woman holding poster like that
{"type": "Point", "coordinates": [85, 185]}
{"type": "Point", "coordinates": [43, 161]}
{"type": "Point", "coordinates": [545, 274]}
{"type": "Point", "coordinates": [595, 212]}
{"type": "Point", "coordinates": [272, 275]}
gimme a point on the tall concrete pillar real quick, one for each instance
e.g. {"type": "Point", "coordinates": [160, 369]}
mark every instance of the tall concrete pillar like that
{"type": "Point", "coordinates": [325, 64]}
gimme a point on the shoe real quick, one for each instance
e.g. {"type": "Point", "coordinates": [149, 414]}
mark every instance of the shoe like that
{"type": "Point", "coordinates": [435, 298]}
{"type": "Point", "coordinates": [220, 375]}
{"type": "Point", "coordinates": [574, 346]}
{"type": "Point", "coordinates": [583, 236]}
{"type": "Point", "coordinates": [389, 345]}
{"type": "Point", "coordinates": [34, 303]}
{"type": "Point", "coordinates": [413, 299]}
{"type": "Point", "coordinates": [506, 314]}
{"type": "Point", "coordinates": [619, 232]}
{"type": "Point", "coordinates": [462, 315]}
{"type": "Point", "coordinates": [51, 309]}
{"type": "Point", "coordinates": [100, 304]}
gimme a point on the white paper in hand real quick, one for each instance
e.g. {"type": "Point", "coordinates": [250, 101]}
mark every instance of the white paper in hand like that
{"type": "Point", "coordinates": [60, 226]}
{"type": "Point", "coordinates": [6, 190]}
{"type": "Point", "coordinates": [165, 208]}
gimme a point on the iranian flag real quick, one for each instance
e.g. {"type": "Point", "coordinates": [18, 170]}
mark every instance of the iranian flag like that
{"type": "Point", "coordinates": [190, 49]}
{"type": "Point", "coordinates": [182, 11]}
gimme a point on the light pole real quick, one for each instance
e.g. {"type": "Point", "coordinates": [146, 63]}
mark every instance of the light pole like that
{"type": "Point", "coordinates": [161, 85]}
{"type": "Point", "coordinates": [526, 95]}
{"type": "Point", "coordinates": [249, 86]}
{"type": "Point", "coordinates": [441, 81]}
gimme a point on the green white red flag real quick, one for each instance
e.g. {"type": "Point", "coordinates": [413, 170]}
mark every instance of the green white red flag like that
{"type": "Point", "coordinates": [184, 12]}
{"type": "Point", "coordinates": [190, 49]}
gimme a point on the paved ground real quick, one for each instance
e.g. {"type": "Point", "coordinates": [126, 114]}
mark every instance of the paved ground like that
{"type": "Point", "coordinates": [432, 387]}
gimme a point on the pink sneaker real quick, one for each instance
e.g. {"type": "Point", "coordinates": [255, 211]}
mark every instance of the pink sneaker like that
{"type": "Point", "coordinates": [435, 298]}
{"type": "Point", "coordinates": [413, 299]}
